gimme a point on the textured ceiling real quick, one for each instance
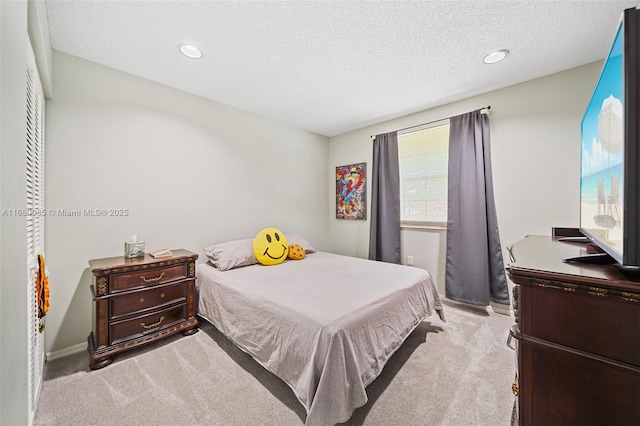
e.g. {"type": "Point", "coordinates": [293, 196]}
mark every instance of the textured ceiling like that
{"type": "Point", "coordinates": [332, 67]}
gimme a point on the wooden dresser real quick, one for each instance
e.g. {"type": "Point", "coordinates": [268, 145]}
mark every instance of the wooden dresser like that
{"type": "Point", "coordinates": [578, 338]}
{"type": "Point", "coordinates": [138, 301]}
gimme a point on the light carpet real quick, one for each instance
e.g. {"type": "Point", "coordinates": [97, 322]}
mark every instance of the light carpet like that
{"type": "Point", "coordinates": [454, 373]}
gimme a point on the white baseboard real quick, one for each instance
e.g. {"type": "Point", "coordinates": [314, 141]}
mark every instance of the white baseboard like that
{"type": "Point", "coordinates": [66, 351]}
{"type": "Point", "coordinates": [500, 308]}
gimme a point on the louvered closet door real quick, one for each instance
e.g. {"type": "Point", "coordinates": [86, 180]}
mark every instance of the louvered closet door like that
{"type": "Point", "coordinates": [35, 221]}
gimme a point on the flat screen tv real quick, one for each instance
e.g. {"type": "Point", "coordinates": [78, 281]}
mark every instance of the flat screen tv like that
{"type": "Point", "coordinates": [610, 162]}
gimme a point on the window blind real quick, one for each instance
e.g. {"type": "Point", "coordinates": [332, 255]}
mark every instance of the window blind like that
{"type": "Point", "coordinates": [423, 160]}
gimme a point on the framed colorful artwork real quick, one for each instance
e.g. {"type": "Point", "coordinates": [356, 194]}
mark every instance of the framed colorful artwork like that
{"type": "Point", "coordinates": [351, 191]}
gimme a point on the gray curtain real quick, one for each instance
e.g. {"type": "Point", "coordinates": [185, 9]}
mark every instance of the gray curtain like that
{"type": "Point", "coordinates": [474, 267]}
{"type": "Point", "coordinates": [384, 236]}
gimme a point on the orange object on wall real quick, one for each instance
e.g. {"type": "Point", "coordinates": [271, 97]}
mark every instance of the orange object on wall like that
{"type": "Point", "coordinates": [42, 287]}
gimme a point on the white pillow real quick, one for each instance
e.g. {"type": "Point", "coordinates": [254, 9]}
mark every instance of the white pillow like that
{"type": "Point", "coordinates": [301, 241]}
{"type": "Point", "coordinates": [231, 254]}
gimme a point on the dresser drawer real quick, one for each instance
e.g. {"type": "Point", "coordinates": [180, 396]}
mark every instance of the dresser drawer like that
{"type": "Point", "coordinates": [147, 277]}
{"type": "Point", "coordinates": [567, 388]}
{"type": "Point", "coordinates": [141, 300]}
{"type": "Point", "coordinates": [146, 324]}
{"type": "Point", "coordinates": [591, 323]}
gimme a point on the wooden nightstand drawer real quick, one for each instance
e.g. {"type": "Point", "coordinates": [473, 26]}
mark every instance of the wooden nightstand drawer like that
{"type": "Point", "coordinates": [141, 300]}
{"type": "Point", "coordinates": [148, 277]}
{"type": "Point", "coordinates": [151, 323]}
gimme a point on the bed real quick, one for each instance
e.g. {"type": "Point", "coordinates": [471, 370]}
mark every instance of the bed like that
{"type": "Point", "coordinates": [326, 325]}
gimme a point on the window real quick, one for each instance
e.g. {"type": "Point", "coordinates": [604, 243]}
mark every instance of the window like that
{"type": "Point", "coordinates": [423, 155]}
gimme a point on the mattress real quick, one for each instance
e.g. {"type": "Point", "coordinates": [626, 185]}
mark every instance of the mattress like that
{"type": "Point", "coordinates": [326, 325]}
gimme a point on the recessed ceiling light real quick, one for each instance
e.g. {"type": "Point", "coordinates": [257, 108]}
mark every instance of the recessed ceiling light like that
{"type": "Point", "coordinates": [494, 57]}
{"type": "Point", "coordinates": [190, 51]}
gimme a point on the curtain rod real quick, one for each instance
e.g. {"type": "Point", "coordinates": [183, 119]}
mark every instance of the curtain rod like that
{"type": "Point", "coordinates": [488, 107]}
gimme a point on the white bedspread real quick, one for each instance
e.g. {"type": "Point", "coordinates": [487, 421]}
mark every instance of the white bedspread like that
{"type": "Point", "coordinates": [325, 325]}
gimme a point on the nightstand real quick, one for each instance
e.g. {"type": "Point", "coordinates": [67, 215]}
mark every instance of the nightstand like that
{"type": "Point", "coordinates": [139, 301]}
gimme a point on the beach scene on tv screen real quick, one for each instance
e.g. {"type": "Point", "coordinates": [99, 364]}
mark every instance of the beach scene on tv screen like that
{"type": "Point", "coordinates": [602, 155]}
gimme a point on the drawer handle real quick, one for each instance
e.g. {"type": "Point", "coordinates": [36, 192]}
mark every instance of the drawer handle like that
{"type": "Point", "coordinates": [152, 280]}
{"type": "Point", "coordinates": [514, 333]}
{"type": "Point", "coordinates": [154, 325]}
{"type": "Point", "coordinates": [510, 338]}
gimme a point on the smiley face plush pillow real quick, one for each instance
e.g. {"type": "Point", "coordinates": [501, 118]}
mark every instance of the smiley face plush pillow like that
{"type": "Point", "coordinates": [270, 246]}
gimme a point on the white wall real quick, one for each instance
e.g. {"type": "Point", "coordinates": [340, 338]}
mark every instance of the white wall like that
{"type": "Point", "coordinates": [535, 141]}
{"type": "Point", "coordinates": [14, 396]}
{"type": "Point", "coordinates": [191, 173]}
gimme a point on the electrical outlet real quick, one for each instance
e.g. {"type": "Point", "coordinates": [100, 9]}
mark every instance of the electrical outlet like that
{"type": "Point", "coordinates": [409, 260]}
